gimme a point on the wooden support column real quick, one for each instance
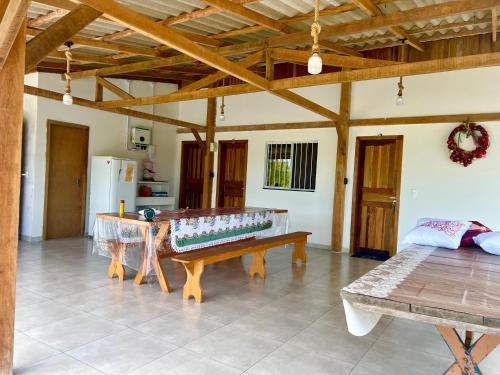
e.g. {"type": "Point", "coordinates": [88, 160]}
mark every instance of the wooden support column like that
{"type": "Point", "coordinates": [11, 118]}
{"type": "Point", "coordinates": [341, 167]}
{"type": "Point", "coordinates": [209, 155]}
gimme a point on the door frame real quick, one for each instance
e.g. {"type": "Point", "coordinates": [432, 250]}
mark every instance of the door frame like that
{"type": "Point", "coordinates": [355, 214]}
{"type": "Point", "coordinates": [217, 192]}
{"type": "Point", "coordinates": [50, 123]}
{"type": "Point", "coordinates": [182, 182]}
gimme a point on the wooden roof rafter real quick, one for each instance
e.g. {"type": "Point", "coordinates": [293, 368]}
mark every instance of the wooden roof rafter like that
{"type": "Point", "coordinates": [175, 40]}
{"type": "Point", "coordinates": [397, 70]}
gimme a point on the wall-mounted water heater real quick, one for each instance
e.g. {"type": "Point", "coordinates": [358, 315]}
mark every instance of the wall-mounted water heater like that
{"type": "Point", "coordinates": [141, 138]}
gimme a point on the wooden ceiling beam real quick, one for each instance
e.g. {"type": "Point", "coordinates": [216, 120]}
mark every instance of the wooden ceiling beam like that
{"type": "Point", "coordinates": [374, 23]}
{"type": "Point", "coordinates": [274, 126]}
{"type": "Point", "coordinates": [214, 77]}
{"type": "Point", "coordinates": [416, 31]}
{"type": "Point", "coordinates": [84, 58]}
{"type": "Point", "coordinates": [248, 14]}
{"type": "Point", "coordinates": [30, 90]}
{"type": "Point", "coordinates": [153, 76]}
{"type": "Point", "coordinates": [372, 10]}
{"type": "Point", "coordinates": [146, 27]}
{"type": "Point", "coordinates": [348, 7]}
{"type": "Point", "coordinates": [168, 61]}
{"type": "Point", "coordinates": [11, 21]}
{"type": "Point", "coordinates": [58, 33]}
{"type": "Point", "coordinates": [99, 44]}
{"type": "Point", "coordinates": [435, 119]}
{"type": "Point", "coordinates": [297, 56]}
{"type": "Point", "coordinates": [494, 24]}
{"type": "Point", "coordinates": [47, 18]}
{"type": "Point", "coordinates": [433, 38]}
{"type": "Point", "coordinates": [113, 88]}
{"type": "Point", "coordinates": [269, 23]}
{"type": "Point", "coordinates": [184, 17]}
{"type": "Point", "coordinates": [403, 69]}
{"type": "Point", "coordinates": [385, 21]}
{"type": "Point", "coordinates": [198, 38]}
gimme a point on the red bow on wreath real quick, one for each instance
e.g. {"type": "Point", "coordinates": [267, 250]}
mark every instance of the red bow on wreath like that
{"type": "Point", "coordinates": [481, 140]}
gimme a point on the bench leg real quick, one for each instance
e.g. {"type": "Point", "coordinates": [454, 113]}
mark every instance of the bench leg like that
{"type": "Point", "coordinates": [299, 252]}
{"type": "Point", "coordinates": [258, 265]}
{"type": "Point", "coordinates": [193, 275]}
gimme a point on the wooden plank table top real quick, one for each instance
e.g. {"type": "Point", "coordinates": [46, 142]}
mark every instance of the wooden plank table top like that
{"type": "Point", "coordinates": [166, 216]}
{"type": "Point", "coordinates": [461, 287]}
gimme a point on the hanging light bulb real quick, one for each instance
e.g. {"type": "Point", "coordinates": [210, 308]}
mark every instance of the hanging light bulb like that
{"type": "Point", "coordinates": [67, 98]}
{"type": "Point", "coordinates": [399, 98]}
{"type": "Point", "coordinates": [315, 63]}
{"type": "Point", "coordinates": [222, 115]}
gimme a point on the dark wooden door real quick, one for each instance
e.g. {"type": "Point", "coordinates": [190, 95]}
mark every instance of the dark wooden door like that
{"type": "Point", "coordinates": [376, 194]}
{"type": "Point", "coordinates": [65, 180]}
{"type": "Point", "coordinates": [232, 173]}
{"type": "Point", "coordinates": [191, 181]}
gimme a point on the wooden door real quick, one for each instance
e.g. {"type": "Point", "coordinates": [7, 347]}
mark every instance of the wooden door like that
{"type": "Point", "coordinates": [375, 207]}
{"type": "Point", "coordinates": [191, 179]}
{"type": "Point", "coordinates": [65, 179]}
{"type": "Point", "coordinates": [232, 173]}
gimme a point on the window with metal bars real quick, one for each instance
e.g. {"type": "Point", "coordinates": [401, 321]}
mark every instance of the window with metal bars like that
{"type": "Point", "coordinates": [291, 166]}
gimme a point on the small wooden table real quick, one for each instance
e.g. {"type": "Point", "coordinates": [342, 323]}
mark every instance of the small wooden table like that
{"type": "Point", "coordinates": [452, 289]}
{"type": "Point", "coordinates": [159, 241]}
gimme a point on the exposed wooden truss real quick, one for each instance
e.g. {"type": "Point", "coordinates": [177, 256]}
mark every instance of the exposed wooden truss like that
{"type": "Point", "coordinates": [44, 43]}
{"type": "Point", "coordinates": [30, 90]}
{"type": "Point", "coordinates": [243, 61]}
{"type": "Point", "coordinates": [371, 9]}
{"type": "Point", "coordinates": [113, 88]}
{"type": "Point", "coordinates": [410, 120]}
{"type": "Point", "coordinates": [404, 69]}
{"type": "Point", "coordinates": [12, 18]}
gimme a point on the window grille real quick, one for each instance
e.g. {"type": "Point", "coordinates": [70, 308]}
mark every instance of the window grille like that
{"type": "Point", "coordinates": [291, 166]}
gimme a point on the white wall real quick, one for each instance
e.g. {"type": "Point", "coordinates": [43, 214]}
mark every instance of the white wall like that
{"type": "Point", "coordinates": [107, 136]}
{"type": "Point", "coordinates": [443, 188]}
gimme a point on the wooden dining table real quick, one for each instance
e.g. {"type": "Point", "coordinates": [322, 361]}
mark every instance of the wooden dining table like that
{"type": "Point", "coordinates": [154, 238]}
{"type": "Point", "coordinates": [452, 289]}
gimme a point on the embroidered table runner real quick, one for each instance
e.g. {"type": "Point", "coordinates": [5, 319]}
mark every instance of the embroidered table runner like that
{"type": "Point", "coordinates": [188, 234]}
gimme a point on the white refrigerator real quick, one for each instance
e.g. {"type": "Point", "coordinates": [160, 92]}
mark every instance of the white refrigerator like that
{"type": "Point", "coordinates": [111, 180]}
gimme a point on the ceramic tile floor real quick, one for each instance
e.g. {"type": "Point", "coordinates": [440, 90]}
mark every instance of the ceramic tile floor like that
{"type": "Point", "coordinates": [71, 319]}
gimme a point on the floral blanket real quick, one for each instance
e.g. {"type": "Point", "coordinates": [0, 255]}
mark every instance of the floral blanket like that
{"type": "Point", "coordinates": [195, 233]}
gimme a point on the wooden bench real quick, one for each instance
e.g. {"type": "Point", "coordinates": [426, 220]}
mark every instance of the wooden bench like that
{"type": "Point", "coordinates": [195, 262]}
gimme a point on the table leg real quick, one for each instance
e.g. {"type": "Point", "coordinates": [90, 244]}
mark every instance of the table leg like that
{"type": "Point", "coordinates": [141, 271]}
{"type": "Point", "coordinates": [116, 266]}
{"type": "Point", "coordinates": [161, 275]}
{"type": "Point", "coordinates": [467, 357]}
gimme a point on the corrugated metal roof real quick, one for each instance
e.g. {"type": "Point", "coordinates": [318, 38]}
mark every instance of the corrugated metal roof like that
{"type": "Point", "coordinates": [278, 9]}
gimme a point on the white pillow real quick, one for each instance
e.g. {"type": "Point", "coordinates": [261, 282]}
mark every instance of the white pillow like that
{"type": "Point", "coordinates": [438, 232]}
{"type": "Point", "coordinates": [489, 242]}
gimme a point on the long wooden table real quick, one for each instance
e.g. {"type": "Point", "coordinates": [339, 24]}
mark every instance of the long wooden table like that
{"type": "Point", "coordinates": [155, 233]}
{"type": "Point", "coordinates": [451, 289]}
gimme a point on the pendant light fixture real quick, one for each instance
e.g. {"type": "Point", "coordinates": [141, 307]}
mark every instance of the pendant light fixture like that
{"type": "Point", "coordinates": [67, 98]}
{"type": "Point", "coordinates": [399, 98]}
{"type": "Point", "coordinates": [222, 115]}
{"type": "Point", "coordinates": [315, 63]}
